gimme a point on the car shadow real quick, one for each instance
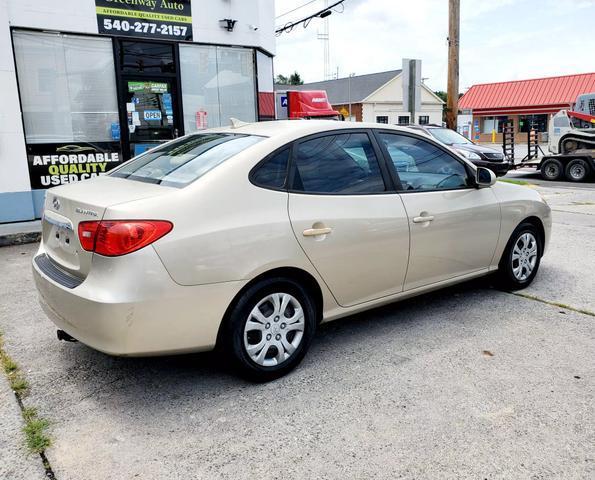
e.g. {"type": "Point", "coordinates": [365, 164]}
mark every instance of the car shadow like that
{"type": "Point", "coordinates": [150, 382]}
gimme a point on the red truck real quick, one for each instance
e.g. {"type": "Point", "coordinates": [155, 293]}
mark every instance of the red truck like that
{"type": "Point", "coordinates": [307, 104]}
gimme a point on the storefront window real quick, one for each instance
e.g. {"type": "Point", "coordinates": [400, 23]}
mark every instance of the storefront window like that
{"type": "Point", "coordinates": [538, 122]}
{"type": "Point", "coordinates": [266, 93]}
{"type": "Point", "coordinates": [146, 57]}
{"type": "Point", "coordinates": [217, 83]}
{"type": "Point", "coordinates": [68, 87]}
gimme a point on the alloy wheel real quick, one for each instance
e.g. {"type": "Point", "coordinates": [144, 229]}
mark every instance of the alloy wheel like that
{"type": "Point", "coordinates": [274, 329]}
{"type": "Point", "coordinates": [524, 256]}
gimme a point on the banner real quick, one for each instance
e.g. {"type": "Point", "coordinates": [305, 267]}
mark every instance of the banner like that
{"type": "Point", "coordinates": [52, 164]}
{"type": "Point", "coordinates": [164, 19]}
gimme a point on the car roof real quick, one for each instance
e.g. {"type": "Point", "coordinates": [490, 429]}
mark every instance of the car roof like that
{"type": "Point", "coordinates": [299, 128]}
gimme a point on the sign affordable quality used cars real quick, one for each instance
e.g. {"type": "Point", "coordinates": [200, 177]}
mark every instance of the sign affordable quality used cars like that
{"type": "Point", "coordinates": [59, 163]}
{"type": "Point", "coordinates": [164, 19]}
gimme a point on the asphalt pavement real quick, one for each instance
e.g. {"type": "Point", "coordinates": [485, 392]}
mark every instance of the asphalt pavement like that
{"type": "Point", "coordinates": [468, 382]}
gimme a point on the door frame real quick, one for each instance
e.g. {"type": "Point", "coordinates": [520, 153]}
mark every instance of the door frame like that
{"type": "Point", "coordinates": [122, 88]}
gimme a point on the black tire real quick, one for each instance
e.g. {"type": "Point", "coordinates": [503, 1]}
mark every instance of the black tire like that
{"type": "Point", "coordinates": [506, 278]}
{"type": "Point", "coordinates": [577, 170]}
{"type": "Point", "coordinates": [552, 169]}
{"type": "Point", "coordinates": [231, 340]}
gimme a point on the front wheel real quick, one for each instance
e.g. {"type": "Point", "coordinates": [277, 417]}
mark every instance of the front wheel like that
{"type": "Point", "coordinates": [270, 328]}
{"type": "Point", "coordinates": [521, 258]}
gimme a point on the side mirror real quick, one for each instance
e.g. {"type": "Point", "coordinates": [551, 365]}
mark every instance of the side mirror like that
{"type": "Point", "coordinates": [484, 177]}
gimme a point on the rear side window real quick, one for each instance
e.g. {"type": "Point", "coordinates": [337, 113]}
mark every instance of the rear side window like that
{"type": "Point", "coordinates": [272, 173]}
{"type": "Point", "coordinates": [340, 164]}
{"type": "Point", "coordinates": [178, 163]}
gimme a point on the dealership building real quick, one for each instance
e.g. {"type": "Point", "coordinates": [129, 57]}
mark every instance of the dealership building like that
{"type": "Point", "coordinates": [86, 84]}
{"type": "Point", "coordinates": [527, 103]}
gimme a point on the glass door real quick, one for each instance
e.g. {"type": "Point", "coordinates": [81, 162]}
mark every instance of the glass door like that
{"type": "Point", "coordinates": [150, 112]}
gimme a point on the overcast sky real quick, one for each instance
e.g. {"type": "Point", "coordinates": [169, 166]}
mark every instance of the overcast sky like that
{"type": "Point", "coordinates": [500, 39]}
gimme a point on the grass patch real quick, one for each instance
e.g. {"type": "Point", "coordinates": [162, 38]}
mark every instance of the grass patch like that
{"type": "Point", "coordinates": [35, 428]}
{"type": "Point", "coordinates": [36, 433]}
{"type": "Point", "coordinates": [515, 182]}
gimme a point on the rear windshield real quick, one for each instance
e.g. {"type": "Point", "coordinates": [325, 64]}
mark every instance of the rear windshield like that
{"type": "Point", "coordinates": [178, 163]}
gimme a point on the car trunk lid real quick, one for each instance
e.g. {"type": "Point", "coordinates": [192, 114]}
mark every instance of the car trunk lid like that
{"type": "Point", "coordinates": [68, 205]}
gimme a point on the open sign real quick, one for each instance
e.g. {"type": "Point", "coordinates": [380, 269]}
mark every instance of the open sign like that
{"type": "Point", "coordinates": [152, 115]}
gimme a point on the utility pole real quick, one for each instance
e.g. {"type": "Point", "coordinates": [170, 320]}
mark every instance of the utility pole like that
{"type": "Point", "coordinates": [349, 92]}
{"type": "Point", "coordinates": [452, 89]}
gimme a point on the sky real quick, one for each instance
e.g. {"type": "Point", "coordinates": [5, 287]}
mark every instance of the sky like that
{"type": "Point", "coordinates": [499, 39]}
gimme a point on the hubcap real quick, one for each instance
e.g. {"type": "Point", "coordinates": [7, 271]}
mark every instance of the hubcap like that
{"type": "Point", "coordinates": [274, 329]}
{"type": "Point", "coordinates": [552, 171]}
{"type": "Point", "coordinates": [524, 256]}
{"type": "Point", "coordinates": [577, 171]}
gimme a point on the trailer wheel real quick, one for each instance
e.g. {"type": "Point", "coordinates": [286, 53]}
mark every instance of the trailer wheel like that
{"type": "Point", "coordinates": [577, 170]}
{"type": "Point", "coordinates": [552, 169]}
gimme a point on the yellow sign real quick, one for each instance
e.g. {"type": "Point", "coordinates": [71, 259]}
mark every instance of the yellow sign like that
{"type": "Point", "coordinates": [344, 112]}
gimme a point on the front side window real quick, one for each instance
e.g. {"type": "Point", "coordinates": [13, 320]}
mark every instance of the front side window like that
{"type": "Point", "coordinates": [423, 166]}
{"type": "Point", "coordinates": [178, 163]}
{"type": "Point", "coordinates": [340, 164]}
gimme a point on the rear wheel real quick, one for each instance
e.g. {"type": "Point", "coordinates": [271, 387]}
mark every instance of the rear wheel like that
{"type": "Point", "coordinates": [577, 170]}
{"type": "Point", "coordinates": [521, 258]}
{"type": "Point", "coordinates": [270, 328]}
{"type": "Point", "coordinates": [552, 169]}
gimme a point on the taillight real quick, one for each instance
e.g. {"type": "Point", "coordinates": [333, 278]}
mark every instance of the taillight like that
{"type": "Point", "coordinates": [119, 237]}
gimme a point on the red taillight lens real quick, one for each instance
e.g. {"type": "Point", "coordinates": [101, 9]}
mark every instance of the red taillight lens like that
{"type": "Point", "coordinates": [119, 237]}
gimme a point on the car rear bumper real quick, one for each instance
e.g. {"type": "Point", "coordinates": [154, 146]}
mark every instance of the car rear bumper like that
{"type": "Point", "coordinates": [130, 306]}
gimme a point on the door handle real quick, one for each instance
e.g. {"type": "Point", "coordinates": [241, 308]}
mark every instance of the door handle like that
{"type": "Point", "coordinates": [310, 232]}
{"type": "Point", "coordinates": [423, 219]}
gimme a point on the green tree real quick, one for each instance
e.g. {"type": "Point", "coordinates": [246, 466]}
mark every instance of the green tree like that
{"type": "Point", "coordinates": [293, 79]}
{"type": "Point", "coordinates": [282, 80]}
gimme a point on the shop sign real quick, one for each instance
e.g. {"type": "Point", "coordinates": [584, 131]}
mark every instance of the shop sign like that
{"type": "Point", "coordinates": [164, 19]}
{"type": "Point", "coordinates": [52, 164]}
{"type": "Point", "coordinates": [148, 87]}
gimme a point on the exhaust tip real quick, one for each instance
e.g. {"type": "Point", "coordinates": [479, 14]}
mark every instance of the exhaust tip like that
{"type": "Point", "coordinates": [62, 335]}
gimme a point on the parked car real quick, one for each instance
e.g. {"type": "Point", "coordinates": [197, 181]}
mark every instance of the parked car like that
{"type": "Point", "coordinates": [247, 238]}
{"type": "Point", "coordinates": [479, 155]}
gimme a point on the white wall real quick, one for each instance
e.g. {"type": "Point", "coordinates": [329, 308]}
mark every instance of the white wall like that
{"type": "Point", "coordinates": [388, 101]}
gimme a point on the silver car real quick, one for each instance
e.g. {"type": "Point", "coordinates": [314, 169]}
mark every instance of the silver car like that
{"type": "Point", "coordinates": [247, 238]}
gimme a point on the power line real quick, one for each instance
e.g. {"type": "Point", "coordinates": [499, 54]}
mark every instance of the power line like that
{"type": "Point", "coordinates": [297, 8]}
{"type": "Point", "coordinates": [306, 21]}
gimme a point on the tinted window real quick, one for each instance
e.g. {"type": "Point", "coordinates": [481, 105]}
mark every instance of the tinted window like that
{"type": "Point", "coordinates": [178, 163]}
{"type": "Point", "coordinates": [273, 171]}
{"type": "Point", "coordinates": [343, 163]}
{"type": "Point", "coordinates": [423, 166]}
{"type": "Point", "coordinates": [147, 57]}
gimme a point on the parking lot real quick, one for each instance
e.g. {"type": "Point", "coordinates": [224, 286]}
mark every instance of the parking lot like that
{"type": "Point", "coordinates": [468, 382]}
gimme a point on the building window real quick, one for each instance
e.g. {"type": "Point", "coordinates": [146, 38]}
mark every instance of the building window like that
{"type": "Point", "coordinates": [424, 119]}
{"type": "Point", "coordinates": [382, 119]}
{"type": "Point", "coordinates": [146, 57]}
{"type": "Point", "coordinates": [403, 119]}
{"type": "Point", "coordinates": [538, 122]}
{"type": "Point", "coordinates": [67, 86]}
{"type": "Point", "coordinates": [217, 83]}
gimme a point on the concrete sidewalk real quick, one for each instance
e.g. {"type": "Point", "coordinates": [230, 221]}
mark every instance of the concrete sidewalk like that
{"type": "Point", "coordinates": [20, 233]}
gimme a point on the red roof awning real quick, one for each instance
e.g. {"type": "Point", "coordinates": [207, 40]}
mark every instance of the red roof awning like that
{"type": "Point", "coordinates": [540, 95]}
